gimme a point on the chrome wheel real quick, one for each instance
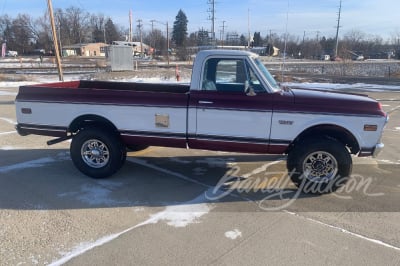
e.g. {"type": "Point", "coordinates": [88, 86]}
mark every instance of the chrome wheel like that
{"type": "Point", "coordinates": [95, 153]}
{"type": "Point", "coordinates": [320, 166]}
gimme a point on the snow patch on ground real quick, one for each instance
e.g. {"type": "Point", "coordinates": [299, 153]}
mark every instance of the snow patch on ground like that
{"type": "Point", "coordinates": [199, 171]}
{"type": "Point", "coordinates": [96, 194]}
{"type": "Point", "coordinates": [155, 80]}
{"type": "Point", "coordinates": [388, 162]}
{"type": "Point", "coordinates": [183, 214]}
{"type": "Point", "coordinates": [233, 234]}
{"type": "Point", "coordinates": [7, 93]}
{"type": "Point", "coordinates": [178, 160]}
{"type": "Point", "coordinates": [217, 162]}
{"type": "Point", "coordinates": [7, 148]}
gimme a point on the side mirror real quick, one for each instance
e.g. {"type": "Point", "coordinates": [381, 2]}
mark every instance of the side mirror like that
{"type": "Point", "coordinates": [248, 89]}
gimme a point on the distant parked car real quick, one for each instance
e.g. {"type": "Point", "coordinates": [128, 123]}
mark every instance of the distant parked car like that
{"type": "Point", "coordinates": [12, 53]}
{"type": "Point", "coordinates": [336, 58]}
{"type": "Point", "coordinates": [325, 57]}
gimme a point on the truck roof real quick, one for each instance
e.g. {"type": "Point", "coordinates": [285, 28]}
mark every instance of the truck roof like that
{"type": "Point", "coordinates": [206, 53]}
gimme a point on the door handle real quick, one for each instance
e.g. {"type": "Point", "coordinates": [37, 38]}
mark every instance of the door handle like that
{"type": "Point", "coordinates": [205, 102]}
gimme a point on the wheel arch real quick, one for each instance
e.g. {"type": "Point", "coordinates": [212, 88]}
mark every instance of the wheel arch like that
{"type": "Point", "coordinates": [91, 120]}
{"type": "Point", "coordinates": [336, 132]}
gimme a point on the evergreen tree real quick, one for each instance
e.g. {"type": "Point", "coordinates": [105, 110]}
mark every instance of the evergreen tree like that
{"type": "Point", "coordinates": [179, 33]}
{"type": "Point", "coordinates": [257, 40]}
{"type": "Point", "coordinates": [111, 32]}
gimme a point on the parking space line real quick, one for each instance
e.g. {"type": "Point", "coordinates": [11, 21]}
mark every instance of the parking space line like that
{"type": "Point", "coordinates": [7, 133]}
{"type": "Point", "coordinates": [33, 163]}
{"type": "Point", "coordinates": [342, 230]}
{"type": "Point", "coordinates": [166, 171]}
{"type": "Point", "coordinates": [8, 120]}
{"type": "Point", "coordinates": [394, 110]}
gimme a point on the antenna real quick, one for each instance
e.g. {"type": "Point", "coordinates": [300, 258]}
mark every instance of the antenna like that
{"type": "Point", "coordinates": [337, 29]}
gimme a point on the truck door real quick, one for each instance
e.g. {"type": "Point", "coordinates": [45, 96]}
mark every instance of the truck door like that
{"type": "Point", "coordinates": [228, 117]}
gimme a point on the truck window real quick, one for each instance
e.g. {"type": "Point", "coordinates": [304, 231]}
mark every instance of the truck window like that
{"type": "Point", "coordinates": [229, 75]}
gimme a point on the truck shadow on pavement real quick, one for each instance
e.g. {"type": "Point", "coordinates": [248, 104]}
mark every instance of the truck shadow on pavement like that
{"type": "Point", "coordinates": [47, 180]}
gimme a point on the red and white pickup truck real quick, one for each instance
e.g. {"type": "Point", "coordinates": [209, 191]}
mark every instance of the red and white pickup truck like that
{"type": "Point", "coordinates": [232, 104]}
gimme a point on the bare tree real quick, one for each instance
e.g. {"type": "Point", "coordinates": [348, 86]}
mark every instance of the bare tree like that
{"type": "Point", "coordinates": [157, 40]}
{"type": "Point", "coordinates": [77, 26]}
{"type": "Point", "coordinates": [97, 25]}
{"type": "Point", "coordinates": [23, 34]}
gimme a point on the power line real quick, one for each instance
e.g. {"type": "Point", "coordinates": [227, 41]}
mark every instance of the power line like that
{"type": "Point", "coordinates": [4, 7]}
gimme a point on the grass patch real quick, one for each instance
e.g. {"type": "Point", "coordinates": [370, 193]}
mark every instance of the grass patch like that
{"type": "Point", "coordinates": [395, 75]}
{"type": "Point", "coordinates": [13, 78]}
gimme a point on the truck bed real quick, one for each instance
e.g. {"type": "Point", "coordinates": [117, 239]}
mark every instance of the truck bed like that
{"type": "Point", "coordinates": [112, 85]}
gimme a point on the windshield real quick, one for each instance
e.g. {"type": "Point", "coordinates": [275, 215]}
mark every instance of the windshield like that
{"type": "Point", "coordinates": [271, 81]}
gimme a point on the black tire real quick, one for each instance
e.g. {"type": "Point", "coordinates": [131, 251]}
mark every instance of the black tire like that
{"type": "Point", "coordinates": [319, 165]}
{"type": "Point", "coordinates": [97, 153]}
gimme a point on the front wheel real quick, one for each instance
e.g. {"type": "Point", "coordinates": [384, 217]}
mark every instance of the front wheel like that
{"type": "Point", "coordinates": [320, 165]}
{"type": "Point", "coordinates": [97, 153]}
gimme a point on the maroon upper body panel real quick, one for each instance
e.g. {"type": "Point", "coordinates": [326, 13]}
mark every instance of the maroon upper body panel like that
{"type": "Point", "coordinates": [110, 93]}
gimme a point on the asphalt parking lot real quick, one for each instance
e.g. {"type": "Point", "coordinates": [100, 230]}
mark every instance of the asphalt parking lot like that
{"type": "Point", "coordinates": [172, 207]}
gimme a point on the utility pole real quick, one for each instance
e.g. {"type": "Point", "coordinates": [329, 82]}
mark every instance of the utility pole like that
{"type": "Point", "coordinates": [55, 41]}
{"type": "Point", "coordinates": [141, 36]}
{"type": "Point", "coordinates": [153, 44]}
{"type": "Point", "coordinates": [59, 34]}
{"type": "Point", "coordinates": [212, 18]}
{"type": "Point", "coordinates": [130, 26]}
{"type": "Point", "coordinates": [223, 33]}
{"type": "Point", "coordinates": [248, 27]}
{"type": "Point", "coordinates": [168, 43]}
{"type": "Point", "coordinates": [337, 29]}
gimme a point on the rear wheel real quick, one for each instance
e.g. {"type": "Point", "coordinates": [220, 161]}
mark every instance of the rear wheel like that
{"type": "Point", "coordinates": [320, 165]}
{"type": "Point", "coordinates": [97, 152]}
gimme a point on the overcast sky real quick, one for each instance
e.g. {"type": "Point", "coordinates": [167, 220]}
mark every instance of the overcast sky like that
{"type": "Point", "coordinates": [314, 17]}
